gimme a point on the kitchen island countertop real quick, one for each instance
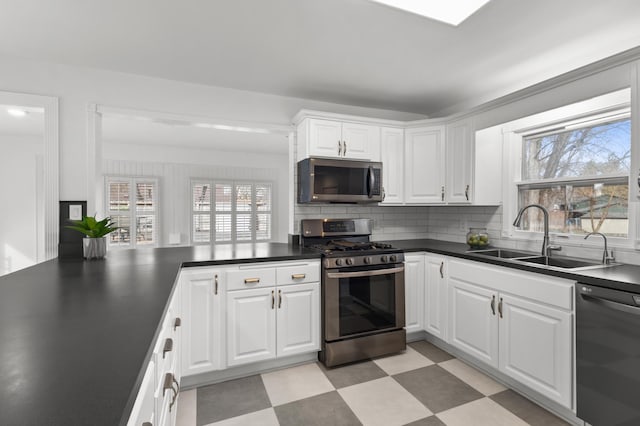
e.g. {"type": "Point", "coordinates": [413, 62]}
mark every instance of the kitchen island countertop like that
{"type": "Point", "coordinates": [75, 335]}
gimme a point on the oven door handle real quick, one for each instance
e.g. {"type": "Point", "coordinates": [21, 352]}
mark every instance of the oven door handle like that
{"type": "Point", "coordinates": [365, 273]}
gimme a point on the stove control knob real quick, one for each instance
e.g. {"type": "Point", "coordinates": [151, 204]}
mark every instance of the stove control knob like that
{"type": "Point", "coordinates": [393, 258]}
{"type": "Point", "coordinates": [384, 259]}
{"type": "Point", "coordinates": [338, 262]}
{"type": "Point", "coordinates": [349, 261]}
{"type": "Point", "coordinates": [367, 260]}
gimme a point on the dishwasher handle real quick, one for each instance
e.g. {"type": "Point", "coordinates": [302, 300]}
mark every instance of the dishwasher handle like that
{"type": "Point", "coordinates": [622, 307]}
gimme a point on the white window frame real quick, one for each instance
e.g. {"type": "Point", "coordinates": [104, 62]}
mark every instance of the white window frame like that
{"type": "Point", "coordinates": [600, 108]}
{"type": "Point", "coordinates": [133, 180]}
{"type": "Point", "coordinates": [233, 212]}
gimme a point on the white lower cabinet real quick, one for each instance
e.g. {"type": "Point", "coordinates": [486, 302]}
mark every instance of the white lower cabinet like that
{"type": "Point", "coordinates": [535, 346]}
{"type": "Point", "coordinates": [239, 314]}
{"type": "Point", "coordinates": [518, 322]}
{"type": "Point", "coordinates": [298, 319]}
{"type": "Point", "coordinates": [414, 291]}
{"type": "Point", "coordinates": [474, 328]}
{"type": "Point", "coordinates": [436, 296]}
{"type": "Point", "coordinates": [144, 408]}
{"type": "Point", "coordinates": [202, 293]}
{"type": "Point", "coordinates": [156, 402]}
{"type": "Point", "coordinates": [270, 322]}
{"type": "Point", "coordinates": [251, 325]}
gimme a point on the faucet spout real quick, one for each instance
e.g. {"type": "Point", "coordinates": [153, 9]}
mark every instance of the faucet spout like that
{"type": "Point", "coordinates": [606, 256]}
{"type": "Point", "coordinates": [545, 213]}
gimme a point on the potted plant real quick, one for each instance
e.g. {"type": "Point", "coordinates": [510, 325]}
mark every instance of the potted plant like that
{"type": "Point", "coordinates": [94, 245]}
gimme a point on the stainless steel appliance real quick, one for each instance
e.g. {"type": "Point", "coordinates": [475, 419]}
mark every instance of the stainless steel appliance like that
{"type": "Point", "coordinates": [325, 180]}
{"type": "Point", "coordinates": [607, 356]}
{"type": "Point", "coordinates": [363, 311]}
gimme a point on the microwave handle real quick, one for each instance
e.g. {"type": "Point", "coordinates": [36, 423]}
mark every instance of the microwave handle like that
{"type": "Point", "coordinates": [372, 182]}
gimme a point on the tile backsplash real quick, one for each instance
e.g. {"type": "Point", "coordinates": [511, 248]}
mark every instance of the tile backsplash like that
{"type": "Point", "coordinates": [389, 223]}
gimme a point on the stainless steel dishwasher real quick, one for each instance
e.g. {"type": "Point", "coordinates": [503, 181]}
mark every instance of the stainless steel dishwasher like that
{"type": "Point", "coordinates": [607, 356]}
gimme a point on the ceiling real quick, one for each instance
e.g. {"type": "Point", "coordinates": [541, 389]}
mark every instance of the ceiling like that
{"type": "Point", "coordinates": [353, 52]}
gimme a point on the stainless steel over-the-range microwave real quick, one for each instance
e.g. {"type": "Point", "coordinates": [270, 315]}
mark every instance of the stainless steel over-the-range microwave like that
{"type": "Point", "coordinates": [326, 180]}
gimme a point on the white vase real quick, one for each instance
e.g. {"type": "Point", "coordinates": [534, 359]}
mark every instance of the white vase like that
{"type": "Point", "coordinates": [94, 248]}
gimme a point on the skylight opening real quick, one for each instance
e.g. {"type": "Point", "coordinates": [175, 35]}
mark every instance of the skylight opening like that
{"type": "Point", "coordinates": [452, 12]}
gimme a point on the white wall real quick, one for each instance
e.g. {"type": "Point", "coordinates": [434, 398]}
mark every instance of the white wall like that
{"type": "Point", "coordinates": [175, 167]}
{"type": "Point", "coordinates": [22, 191]}
{"type": "Point", "coordinates": [77, 87]}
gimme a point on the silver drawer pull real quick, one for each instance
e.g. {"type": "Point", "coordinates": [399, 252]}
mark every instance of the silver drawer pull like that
{"type": "Point", "coordinates": [168, 384]}
{"type": "Point", "coordinates": [251, 280]}
{"type": "Point", "coordinates": [177, 323]}
{"type": "Point", "coordinates": [298, 276]}
{"type": "Point", "coordinates": [168, 347]}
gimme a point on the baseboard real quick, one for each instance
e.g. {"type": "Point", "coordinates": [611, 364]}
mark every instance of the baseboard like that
{"type": "Point", "coordinates": [204, 379]}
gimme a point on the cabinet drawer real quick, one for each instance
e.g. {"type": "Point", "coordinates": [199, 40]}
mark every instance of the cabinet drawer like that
{"type": "Point", "coordinates": [251, 278]}
{"type": "Point", "coordinates": [296, 274]}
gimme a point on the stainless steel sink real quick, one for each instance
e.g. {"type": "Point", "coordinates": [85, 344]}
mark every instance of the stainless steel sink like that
{"type": "Point", "coordinates": [562, 262]}
{"type": "Point", "coordinates": [533, 259]}
{"type": "Point", "coordinates": [501, 253]}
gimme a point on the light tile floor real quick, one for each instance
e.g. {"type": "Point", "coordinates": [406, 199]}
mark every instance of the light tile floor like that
{"type": "Point", "coordinates": [422, 386]}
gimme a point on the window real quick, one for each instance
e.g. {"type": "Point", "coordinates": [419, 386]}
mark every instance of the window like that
{"type": "Point", "coordinates": [231, 211]}
{"type": "Point", "coordinates": [132, 201]}
{"type": "Point", "coordinates": [580, 173]}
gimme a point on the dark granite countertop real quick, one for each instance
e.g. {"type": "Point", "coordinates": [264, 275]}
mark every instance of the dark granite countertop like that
{"type": "Point", "coordinates": [75, 335]}
{"type": "Point", "coordinates": [620, 277]}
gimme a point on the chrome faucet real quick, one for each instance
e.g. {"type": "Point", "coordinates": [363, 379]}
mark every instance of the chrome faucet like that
{"type": "Point", "coordinates": [607, 257]}
{"type": "Point", "coordinates": [546, 248]}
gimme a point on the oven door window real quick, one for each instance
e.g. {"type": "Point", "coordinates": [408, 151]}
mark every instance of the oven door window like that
{"type": "Point", "coordinates": [367, 304]}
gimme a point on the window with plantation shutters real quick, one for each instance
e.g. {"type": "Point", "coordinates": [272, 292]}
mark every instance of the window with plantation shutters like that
{"type": "Point", "coordinates": [225, 212]}
{"type": "Point", "coordinates": [132, 204]}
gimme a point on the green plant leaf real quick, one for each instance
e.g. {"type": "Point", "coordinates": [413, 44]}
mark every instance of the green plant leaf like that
{"type": "Point", "coordinates": [93, 228]}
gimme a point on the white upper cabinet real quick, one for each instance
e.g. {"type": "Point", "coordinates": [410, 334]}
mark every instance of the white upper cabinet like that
{"type": "Point", "coordinates": [360, 141]}
{"type": "Point", "coordinates": [392, 156]}
{"type": "Point", "coordinates": [489, 166]}
{"type": "Point", "coordinates": [338, 139]}
{"type": "Point", "coordinates": [459, 185]}
{"type": "Point", "coordinates": [324, 138]}
{"type": "Point", "coordinates": [424, 165]}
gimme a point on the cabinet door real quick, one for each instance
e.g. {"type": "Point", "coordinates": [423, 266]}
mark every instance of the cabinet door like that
{"type": "Point", "coordinates": [202, 322]}
{"type": "Point", "coordinates": [474, 325]}
{"type": "Point", "coordinates": [144, 405]}
{"type": "Point", "coordinates": [460, 162]}
{"type": "Point", "coordinates": [298, 319]}
{"type": "Point", "coordinates": [392, 156]}
{"type": "Point", "coordinates": [325, 138]}
{"type": "Point", "coordinates": [535, 347]}
{"type": "Point", "coordinates": [360, 141]}
{"type": "Point", "coordinates": [251, 325]}
{"type": "Point", "coordinates": [424, 165]}
{"type": "Point", "coordinates": [435, 297]}
{"type": "Point", "coordinates": [414, 291]}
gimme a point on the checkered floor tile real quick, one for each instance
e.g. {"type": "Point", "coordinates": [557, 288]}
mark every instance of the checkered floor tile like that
{"type": "Point", "coordinates": [422, 386]}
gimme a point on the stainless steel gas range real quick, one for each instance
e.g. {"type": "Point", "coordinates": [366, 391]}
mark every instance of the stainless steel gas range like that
{"type": "Point", "coordinates": [363, 312]}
